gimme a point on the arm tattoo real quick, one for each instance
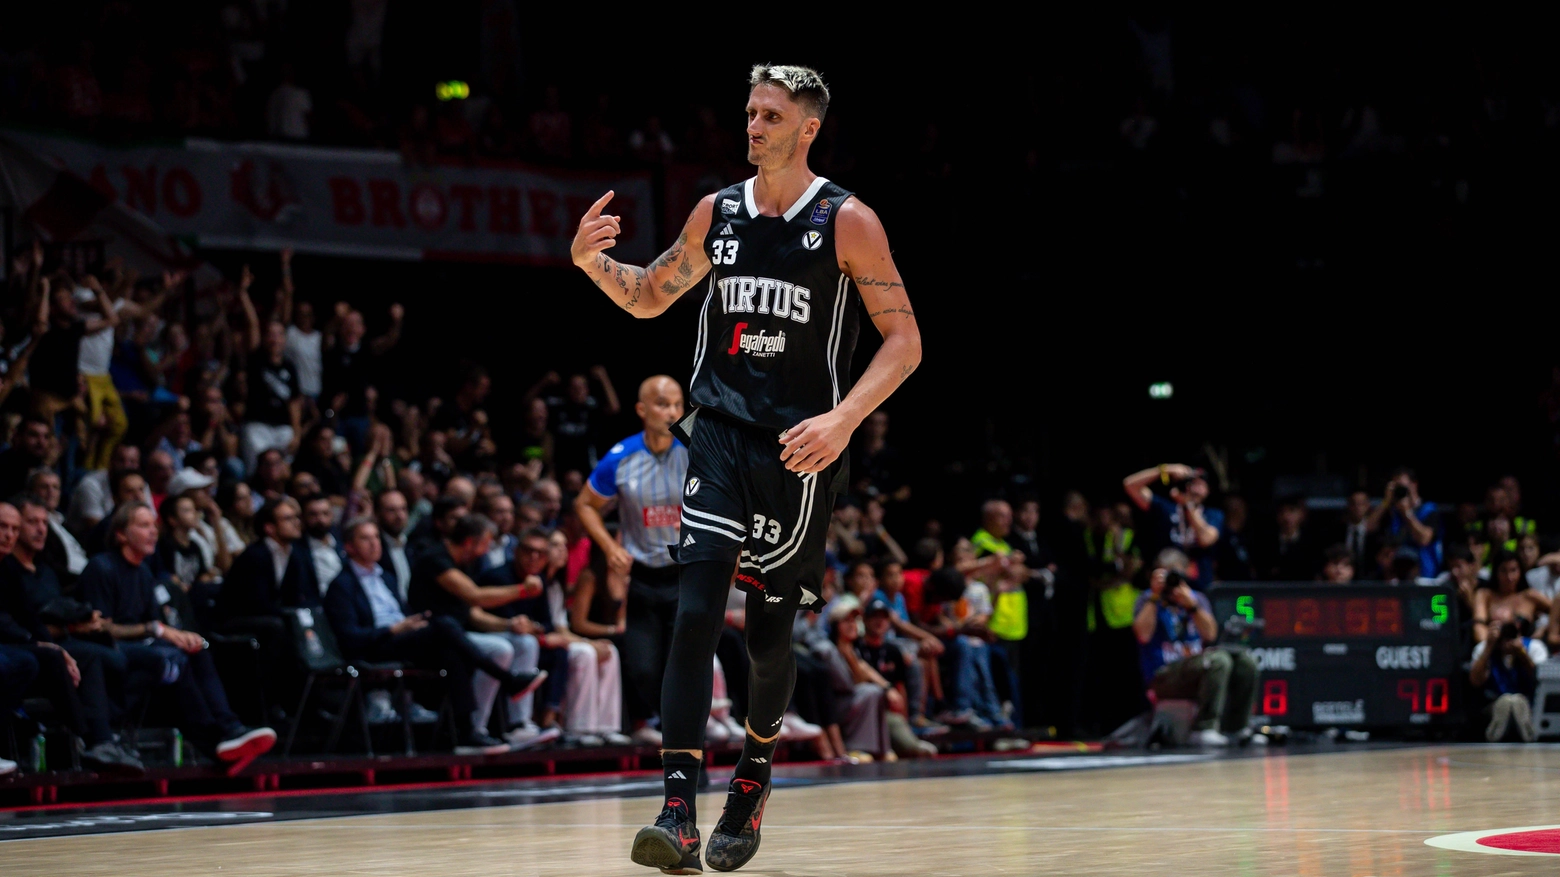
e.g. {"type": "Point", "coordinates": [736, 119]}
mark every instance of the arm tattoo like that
{"type": "Point", "coordinates": [899, 310]}
{"type": "Point", "coordinates": [881, 284]}
{"type": "Point", "coordinates": [904, 372]}
{"type": "Point", "coordinates": [677, 255]}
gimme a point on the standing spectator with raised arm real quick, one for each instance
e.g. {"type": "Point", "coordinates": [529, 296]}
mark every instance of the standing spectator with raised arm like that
{"type": "Point", "coordinates": [305, 342]}
{"type": "Point", "coordinates": [55, 376]}
{"type": "Point", "coordinates": [1179, 521]}
{"type": "Point", "coordinates": [576, 418]}
{"type": "Point", "coordinates": [642, 477]}
{"type": "Point", "coordinates": [350, 367]}
{"type": "Point", "coordinates": [273, 411]}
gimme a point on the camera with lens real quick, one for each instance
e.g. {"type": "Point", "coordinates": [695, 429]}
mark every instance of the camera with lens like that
{"type": "Point", "coordinates": [1399, 492]}
{"type": "Point", "coordinates": [1510, 631]}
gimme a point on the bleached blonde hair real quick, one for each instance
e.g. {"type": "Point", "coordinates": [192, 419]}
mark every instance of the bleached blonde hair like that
{"type": "Point", "coordinates": [804, 84]}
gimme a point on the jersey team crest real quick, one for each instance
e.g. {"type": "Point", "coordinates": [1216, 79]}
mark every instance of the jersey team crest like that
{"type": "Point", "coordinates": [812, 240]}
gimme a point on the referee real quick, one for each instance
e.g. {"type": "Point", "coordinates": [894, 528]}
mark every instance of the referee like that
{"type": "Point", "coordinates": [643, 477]}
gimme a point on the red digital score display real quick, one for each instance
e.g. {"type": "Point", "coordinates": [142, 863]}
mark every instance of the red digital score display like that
{"type": "Point", "coordinates": [1291, 617]}
{"type": "Point", "coordinates": [1437, 695]}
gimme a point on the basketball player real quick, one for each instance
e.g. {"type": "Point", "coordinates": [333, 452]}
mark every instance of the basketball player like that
{"type": "Point", "coordinates": [773, 411]}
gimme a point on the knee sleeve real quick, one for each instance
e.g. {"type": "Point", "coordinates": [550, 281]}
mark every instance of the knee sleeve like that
{"type": "Point", "coordinates": [772, 676]}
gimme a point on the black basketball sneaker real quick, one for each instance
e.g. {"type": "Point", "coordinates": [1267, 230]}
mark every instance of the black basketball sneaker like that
{"type": "Point", "coordinates": [735, 838]}
{"type": "Point", "coordinates": [672, 843]}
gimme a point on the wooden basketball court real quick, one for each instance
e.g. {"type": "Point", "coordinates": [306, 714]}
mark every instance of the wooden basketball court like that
{"type": "Point", "coordinates": [1349, 812]}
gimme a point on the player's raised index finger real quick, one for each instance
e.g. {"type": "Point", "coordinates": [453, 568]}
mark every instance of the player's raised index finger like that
{"type": "Point", "coordinates": [595, 209]}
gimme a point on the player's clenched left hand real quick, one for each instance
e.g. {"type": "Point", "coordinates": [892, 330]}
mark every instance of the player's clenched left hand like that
{"type": "Point", "coordinates": [810, 446]}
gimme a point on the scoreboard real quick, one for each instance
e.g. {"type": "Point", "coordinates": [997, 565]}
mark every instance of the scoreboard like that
{"type": "Point", "coordinates": [1352, 656]}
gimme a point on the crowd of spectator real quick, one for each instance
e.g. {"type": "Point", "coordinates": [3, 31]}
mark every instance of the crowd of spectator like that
{"type": "Point", "coordinates": [185, 469]}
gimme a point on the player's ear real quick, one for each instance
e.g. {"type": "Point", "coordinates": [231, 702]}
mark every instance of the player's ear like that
{"type": "Point", "coordinates": [810, 130]}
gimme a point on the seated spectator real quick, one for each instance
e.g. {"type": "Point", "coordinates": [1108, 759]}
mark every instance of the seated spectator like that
{"type": "Point", "coordinates": [1508, 591]}
{"type": "Point", "coordinates": [180, 558]}
{"type": "Point", "coordinates": [1405, 518]}
{"type": "Point", "coordinates": [438, 525]}
{"type": "Point", "coordinates": [391, 514]}
{"type": "Point", "coordinates": [272, 576]}
{"type": "Point", "coordinates": [1353, 529]}
{"type": "Point", "coordinates": [370, 622]}
{"type": "Point", "coordinates": [957, 610]}
{"type": "Point", "coordinates": [119, 584]}
{"type": "Point", "coordinates": [317, 456]}
{"type": "Point", "coordinates": [324, 549]}
{"type": "Point", "coordinates": [911, 639]}
{"type": "Point", "coordinates": [1288, 553]}
{"type": "Point", "coordinates": [159, 474]}
{"type": "Point", "coordinates": [500, 509]}
{"type": "Point", "coordinates": [125, 486]}
{"type": "Point", "coordinates": [1542, 570]}
{"type": "Point", "coordinates": [219, 540]}
{"type": "Point", "coordinates": [72, 674]}
{"type": "Point", "coordinates": [1233, 556]}
{"type": "Point", "coordinates": [861, 694]}
{"type": "Point", "coordinates": [18, 670]}
{"type": "Point", "coordinates": [593, 689]}
{"type": "Point", "coordinates": [236, 502]}
{"type": "Point", "coordinates": [1505, 672]}
{"type": "Point", "coordinates": [890, 663]}
{"type": "Point", "coordinates": [62, 552]}
{"type": "Point", "coordinates": [1179, 519]}
{"type": "Point", "coordinates": [1175, 632]}
{"type": "Point", "coordinates": [1338, 565]}
{"type": "Point", "coordinates": [30, 449]}
{"type": "Point", "coordinates": [93, 499]}
{"type": "Point", "coordinates": [443, 585]}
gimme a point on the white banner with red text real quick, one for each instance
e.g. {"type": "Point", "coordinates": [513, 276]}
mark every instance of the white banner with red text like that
{"type": "Point", "coordinates": [353, 202]}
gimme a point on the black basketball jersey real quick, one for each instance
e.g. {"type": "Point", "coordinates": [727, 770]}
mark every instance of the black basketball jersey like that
{"type": "Point", "coordinates": [780, 321]}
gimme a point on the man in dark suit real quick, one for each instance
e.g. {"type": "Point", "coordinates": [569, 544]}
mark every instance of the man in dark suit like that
{"type": "Point", "coordinates": [370, 622]}
{"type": "Point", "coordinates": [274, 573]}
{"type": "Point", "coordinates": [271, 576]}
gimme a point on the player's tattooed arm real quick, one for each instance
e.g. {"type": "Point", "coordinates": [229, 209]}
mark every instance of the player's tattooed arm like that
{"type": "Point", "coordinates": [648, 291]}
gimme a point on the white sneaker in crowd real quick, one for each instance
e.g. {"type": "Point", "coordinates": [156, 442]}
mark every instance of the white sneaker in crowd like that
{"type": "Point", "coordinates": [529, 736]}
{"type": "Point", "coordinates": [1500, 718]}
{"type": "Point", "coordinates": [794, 727]}
{"type": "Point", "coordinates": [7, 766]}
{"type": "Point", "coordinates": [738, 733]}
{"type": "Point", "coordinates": [715, 731]}
{"type": "Point", "coordinates": [1210, 737]}
{"type": "Point", "coordinates": [647, 736]}
{"type": "Point", "coordinates": [1522, 715]}
{"type": "Point", "coordinates": [614, 738]}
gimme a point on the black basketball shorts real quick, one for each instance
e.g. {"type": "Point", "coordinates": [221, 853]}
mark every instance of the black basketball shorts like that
{"type": "Point", "coordinates": [742, 506]}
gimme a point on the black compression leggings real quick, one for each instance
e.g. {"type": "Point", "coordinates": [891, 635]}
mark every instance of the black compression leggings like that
{"type": "Point", "coordinates": [701, 612]}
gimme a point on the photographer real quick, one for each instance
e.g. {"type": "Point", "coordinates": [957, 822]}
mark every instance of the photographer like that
{"type": "Point", "coordinates": [1175, 629]}
{"type": "Point", "coordinates": [1179, 521]}
{"type": "Point", "coordinates": [1505, 670]}
{"type": "Point", "coordinates": [1405, 518]}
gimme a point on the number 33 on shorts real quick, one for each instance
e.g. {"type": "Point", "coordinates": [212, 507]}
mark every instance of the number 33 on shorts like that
{"type": "Point", "coordinates": [767, 529]}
